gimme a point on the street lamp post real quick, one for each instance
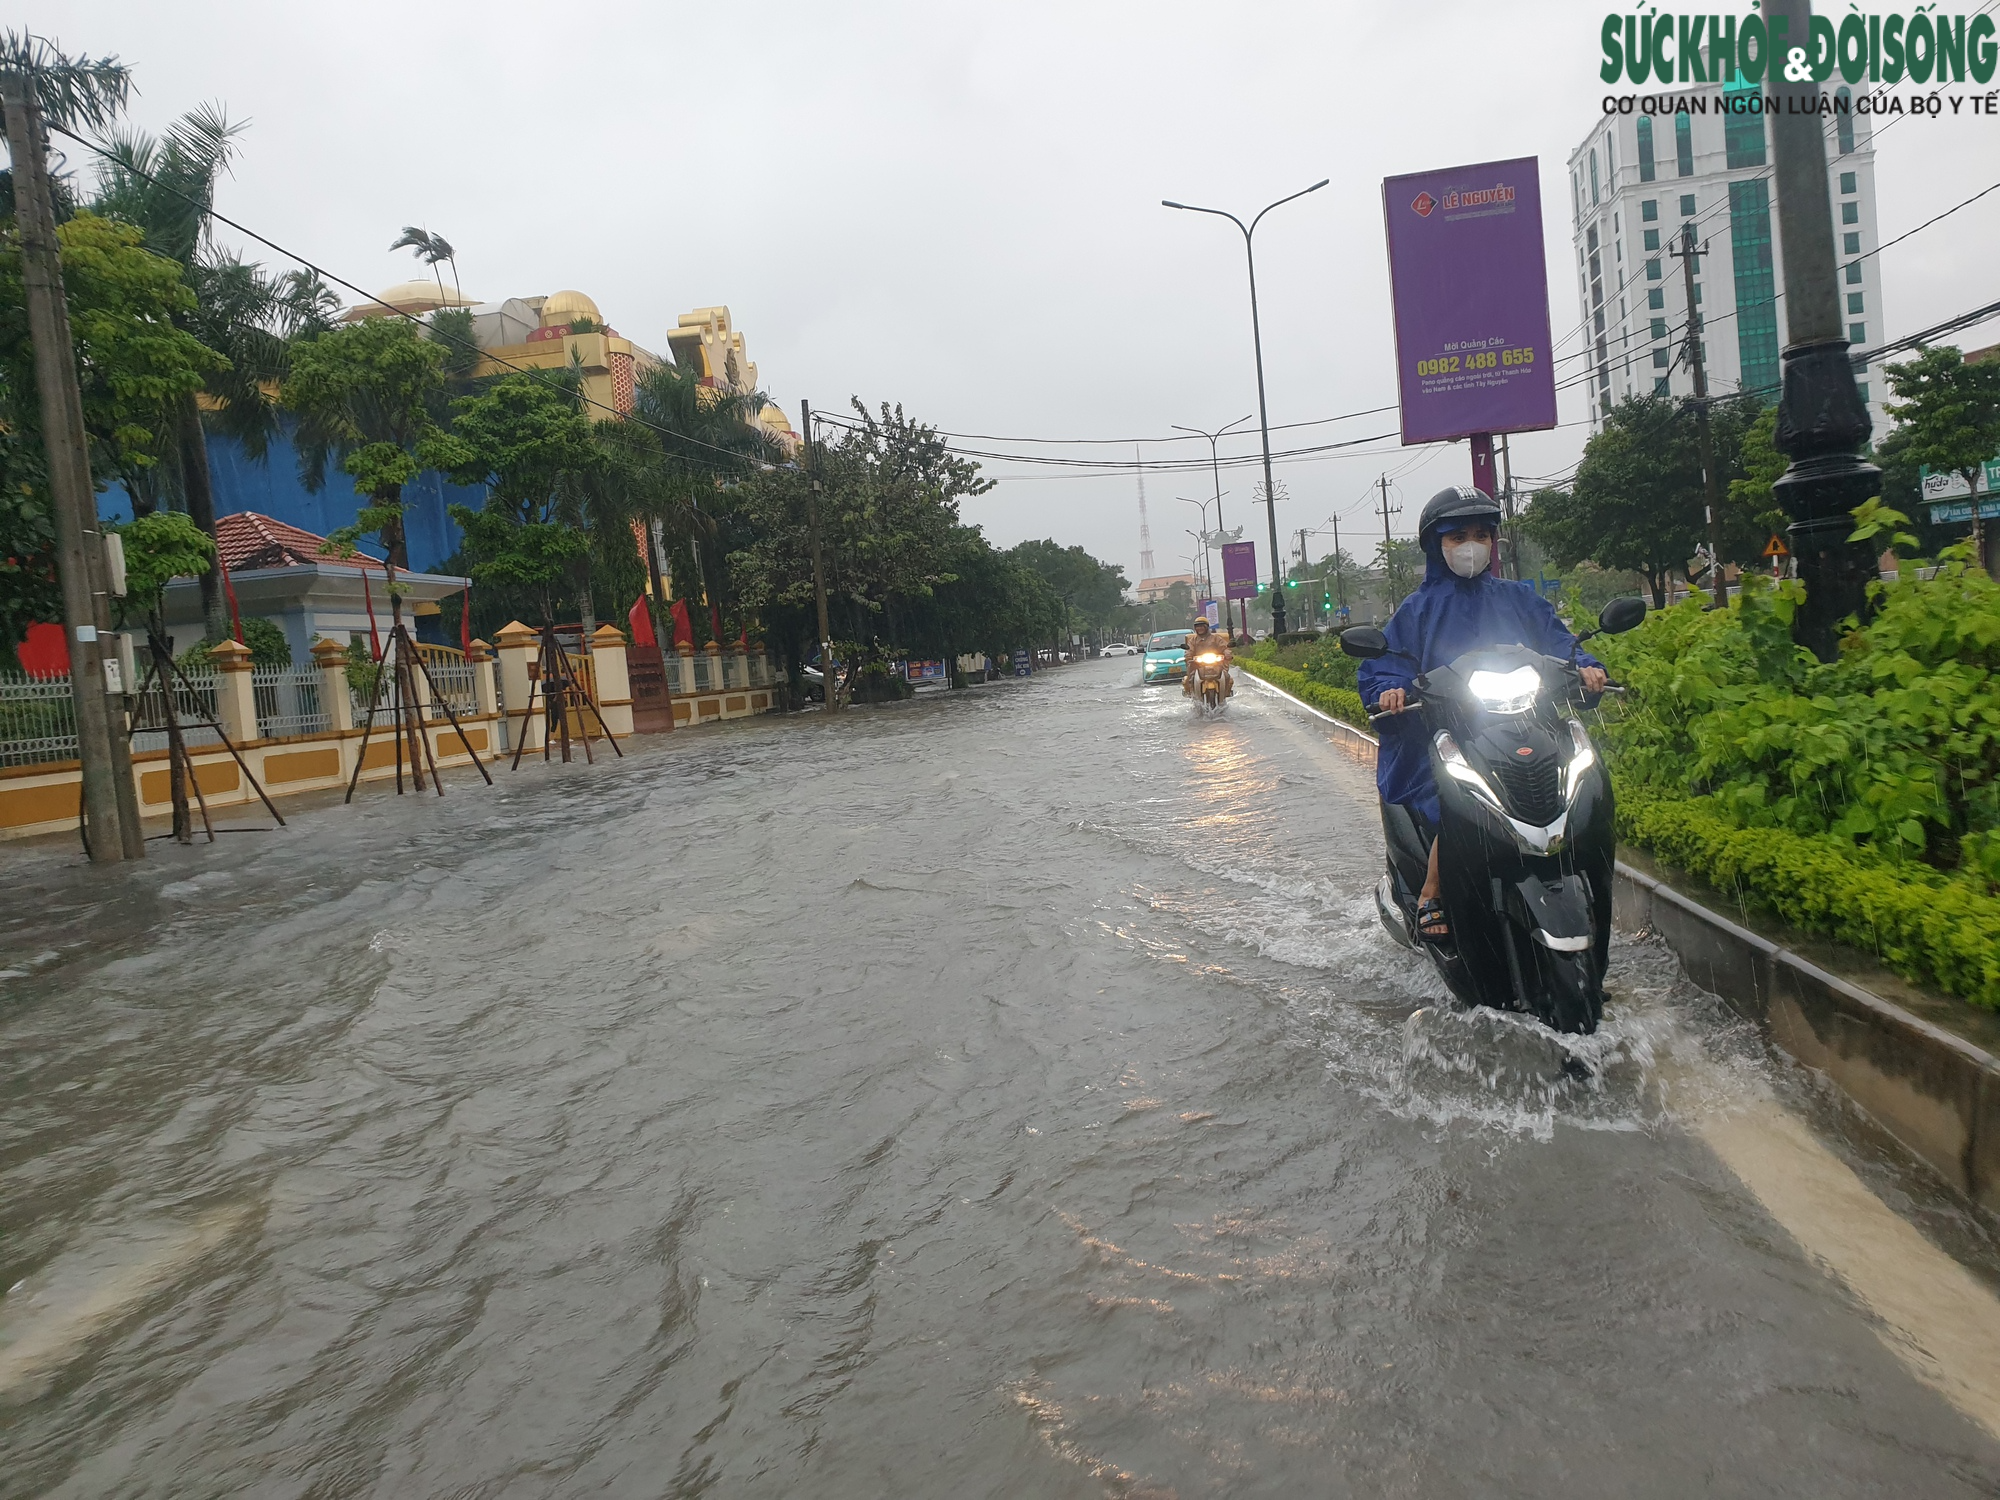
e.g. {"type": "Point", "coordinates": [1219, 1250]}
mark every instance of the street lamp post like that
{"type": "Point", "coordinates": [1822, 420]}
{"type": "Point", "coordinates": [1202, 574]}
{"type": "Point", "coordinates": [1207, 574]}
{"type": "Point", "coordinates": [1215, 468]}
{"type": "Point", "coordinates": [1263, 409]}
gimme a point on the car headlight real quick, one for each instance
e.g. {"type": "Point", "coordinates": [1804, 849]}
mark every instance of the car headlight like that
{"type": "Point", "coordinates": [1459, 769]}
{"type": "Point", "coordinates": [1507, 692]}
{"type": "Point", "coordinates": [1583, 757]}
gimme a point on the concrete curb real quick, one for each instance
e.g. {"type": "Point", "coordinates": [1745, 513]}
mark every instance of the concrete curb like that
{"type": "Point", "coordinates": [1936, 1093]}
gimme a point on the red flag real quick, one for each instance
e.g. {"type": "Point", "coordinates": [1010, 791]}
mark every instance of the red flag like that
{"type": "Point", "coordinates": [683, 626]}
{"type": "Point", "coordinates": [465, 621]}
{"type": "Point", "coordinates": [228, 588]}
{"type": "Point", "coordinates": [374, 640]}
{"type": "Point", "coordinates": [641, 620]}
{"type": "Point", "coordinates": [715, 624]}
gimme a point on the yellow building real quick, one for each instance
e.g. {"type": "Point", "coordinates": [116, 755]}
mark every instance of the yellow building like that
{"type": "Point", "coordinates": [566, 328]}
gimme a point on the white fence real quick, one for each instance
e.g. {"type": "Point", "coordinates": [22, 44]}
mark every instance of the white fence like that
{"type": "Point", "coordinates": [194, 698]}
{"type": "Point", "coordinates": [37, 719]}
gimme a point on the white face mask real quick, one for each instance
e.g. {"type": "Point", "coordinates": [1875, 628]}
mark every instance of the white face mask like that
{"type": "Point", "coordinates": [1468, 559]}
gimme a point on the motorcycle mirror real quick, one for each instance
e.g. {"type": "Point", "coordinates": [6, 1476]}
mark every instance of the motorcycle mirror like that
{"type": "Point", "coordinates": [1364, 641]}
{"type": "Point", "coordinates": [1621, 615]}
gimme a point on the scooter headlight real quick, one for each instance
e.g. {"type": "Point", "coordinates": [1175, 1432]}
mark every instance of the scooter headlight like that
{"type": "Point", "coordinates": [1459, 769]}
{"type": "Point", "coordinates": [1584, 756]}
{"type": "Point", "coordinates": [1507, 692]}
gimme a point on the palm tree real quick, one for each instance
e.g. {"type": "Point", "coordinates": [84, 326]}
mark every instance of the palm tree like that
{"type": "Point", "coordinates": [165, 186]}
{"type": "Point", "coordinates": [77, 92]}
{"type": "Point", "coordinates": [430, 249]}
{"type": "Point", "coordinates": [701, 437]}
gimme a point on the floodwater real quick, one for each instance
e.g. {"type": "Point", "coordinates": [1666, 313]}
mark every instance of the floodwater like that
{"type": "Point", "coordinates": [1008, 1093]}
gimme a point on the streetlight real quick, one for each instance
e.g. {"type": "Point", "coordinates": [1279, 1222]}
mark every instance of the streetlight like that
{"type": "Point", "coordinates": [1208, 578]}
{"type": "Point", "coordinates": [1215, 468]}
{"type": "Point", "coordinates": [1201, 573]}
{"type": "Point", "coordinates": [1263, 411]}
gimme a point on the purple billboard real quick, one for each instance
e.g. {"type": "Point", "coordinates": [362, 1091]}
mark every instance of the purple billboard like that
{"type": "Point", "coordinates": [1471, 290]}
{"type": "Point", "coordinates": [1239, 570]}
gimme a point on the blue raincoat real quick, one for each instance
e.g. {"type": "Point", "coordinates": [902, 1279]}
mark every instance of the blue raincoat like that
{"type": "Point", "coordinates": [1445, 618]}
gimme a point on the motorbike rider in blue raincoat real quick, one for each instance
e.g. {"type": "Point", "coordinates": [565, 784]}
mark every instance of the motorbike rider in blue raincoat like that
{"type": "Point", "coordinates": [1460, 607]}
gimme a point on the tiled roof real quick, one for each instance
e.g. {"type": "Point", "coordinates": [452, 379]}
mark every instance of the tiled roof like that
{"type": "Point", "coordinates": [250, 540]}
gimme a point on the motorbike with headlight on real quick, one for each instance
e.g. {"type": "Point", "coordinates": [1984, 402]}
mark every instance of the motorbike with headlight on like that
{"type": "Point", "coordinates": [1525, 822]}
{"type": "Point", "coordinates": [1207, 666]}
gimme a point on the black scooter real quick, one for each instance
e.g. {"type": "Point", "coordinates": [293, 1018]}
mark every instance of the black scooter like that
{"type": "Point", "coordinates": [1525, 820]}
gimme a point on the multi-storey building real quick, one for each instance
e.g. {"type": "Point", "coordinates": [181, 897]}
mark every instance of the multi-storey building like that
{"type": "Point", "coordinates": [1634, 184]}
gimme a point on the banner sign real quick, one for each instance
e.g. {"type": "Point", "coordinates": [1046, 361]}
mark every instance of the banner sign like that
{"type": "Point", "coordinates": [1949, 484]}
{"type": "Point", "coordinates": [1239, 570]}
{"type": "Point", "coordinates": [1951, 512]}
{"type": "Point", "coordinates": [1471, 291]}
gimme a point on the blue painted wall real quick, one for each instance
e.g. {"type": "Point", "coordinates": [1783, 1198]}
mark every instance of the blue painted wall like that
{"type": "Point", "coordinates": [273, 488]}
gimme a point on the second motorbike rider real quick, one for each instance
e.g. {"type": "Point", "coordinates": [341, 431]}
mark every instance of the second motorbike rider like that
{"type": "Point", "coordinates": [1459, 607]}
{"type": "Point", "coordinates": [1205, 639]}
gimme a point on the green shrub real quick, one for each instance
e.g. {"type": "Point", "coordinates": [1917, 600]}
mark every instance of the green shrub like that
{"type": "Point", "coordinates": [266, 642]}
{"type": "Point", "coordinates": [1934, 928]}
{"type": "Point", "coordinates": [1343, 703]}
{"type": "Point", "coordinates": [1894, 748]}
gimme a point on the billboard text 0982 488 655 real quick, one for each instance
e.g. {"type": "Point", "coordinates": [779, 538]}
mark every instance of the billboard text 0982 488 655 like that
{"type": "Point", "coordinates": [1470, 283]}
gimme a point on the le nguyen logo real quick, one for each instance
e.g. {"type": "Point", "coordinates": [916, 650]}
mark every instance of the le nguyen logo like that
{"type": "Point", "coordinates": [1925, 47]}
{"type": "Point", "coordinates": [1425, 205]}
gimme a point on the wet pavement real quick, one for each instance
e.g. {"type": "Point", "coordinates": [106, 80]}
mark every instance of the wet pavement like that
{"type": "Point", "coordinates": [1007, 1093]}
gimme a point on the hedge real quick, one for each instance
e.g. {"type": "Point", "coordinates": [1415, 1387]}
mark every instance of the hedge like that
{"type": "Point", "coordinates": [1927, 926]}
{"type": "Point", "coordinates": [1339, 702]}
{"type": "Point", "coordinates": [1937, 929]}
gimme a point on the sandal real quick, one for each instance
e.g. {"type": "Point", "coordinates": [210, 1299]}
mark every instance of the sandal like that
{"type": "Point", "coordinates": [1431, 925]}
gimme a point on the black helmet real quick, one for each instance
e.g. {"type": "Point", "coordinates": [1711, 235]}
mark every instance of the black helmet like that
{"type": "Point", "coordinates": [1461, 505]}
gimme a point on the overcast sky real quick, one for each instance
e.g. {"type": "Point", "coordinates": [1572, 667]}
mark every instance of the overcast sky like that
{"type": "Point", "coordinates": [957, 207]}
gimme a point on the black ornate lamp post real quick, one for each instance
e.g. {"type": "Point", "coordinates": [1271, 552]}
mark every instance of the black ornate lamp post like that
{"type": "Point", "coordinates": [1822, 420]}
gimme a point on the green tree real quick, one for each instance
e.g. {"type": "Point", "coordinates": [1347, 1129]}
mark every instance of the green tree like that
{"type": "Point", "coordinates": [528, 442]}
{"type": "Point", "coordinates": [165, 187]}
{"type": "Point", "coordinates": [159, 548]}
{"type": "Point", "coordinates": [133, 365]}
{"type": "Point", "coordinates": [674, 463]}
{"type": "Point", "coordinates": [888, 524]}
{"type": "Point", "coordinates": [364, 395]}
{"type": "Point", "coordinates": [1948, 417]}
{"type": "Point", "coordinates": [1638, 502]}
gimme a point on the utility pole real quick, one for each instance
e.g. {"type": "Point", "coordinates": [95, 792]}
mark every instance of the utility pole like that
{"type": "Point", "coordinates": [1822, 421]}
{"type": "Point", "coordinates": [80, 566]}
{"type": "Point", "coordinates": [826, 676]}
{"type": "Point", "coordinates": [1388, 542]}
{"type": "Point", "coordinates": [1339, 589]}
{"type": "Point", "coordinates": [1305, 600]}
{"type": "Point", "coordinates": [1688, 256]}
{"type": "Point", "coordinates": [1512, 551]}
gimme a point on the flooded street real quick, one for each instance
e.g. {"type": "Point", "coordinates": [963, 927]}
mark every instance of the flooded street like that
{"type": "Point", "coordinates": [1007, 1093]}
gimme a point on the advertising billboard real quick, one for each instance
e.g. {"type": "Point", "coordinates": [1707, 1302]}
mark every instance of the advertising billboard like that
{"type": "Point", "coordinates": [1471, 291]}
{"type": "Point", "coordinates": [1239, 570]}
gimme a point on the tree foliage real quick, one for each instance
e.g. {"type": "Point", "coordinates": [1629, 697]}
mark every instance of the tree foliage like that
{"type": "Point", "coordinates": [364, 395]}
{"type": "Point", "coordinates": [1948, 414]}
{"type": "Point", "coordinates": [1638, 502]}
